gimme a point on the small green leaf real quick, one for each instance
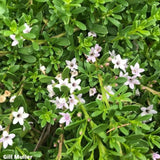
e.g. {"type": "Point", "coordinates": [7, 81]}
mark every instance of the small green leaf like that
{"type": "Point", "coordinates": [28, 58]}
{"type": "Point", "coordinates": [114, 21]}
{"type": "Point", "coordinates": [45, 79]}
{"type": "Point", "coordinates": [36, 154]}
{"type": "Point", "coordinates": [80, 25]}
{"type": "Point", "coordinates": [99, 128]}
{"type": "Point", "coordinates": [99, 28]}
{"type": "Point", "coordinates": [63, 41]}
{"type": "Point", "coordinates": [65, 73]}
{"type": "Point", "coordinates": [74, 124]}
{"type": "Point", "coordinates": [41, 0]}
{"type": "Point", "coordinates": [35, 46]}
{"type": "Point", "coordinates": [26, 50]}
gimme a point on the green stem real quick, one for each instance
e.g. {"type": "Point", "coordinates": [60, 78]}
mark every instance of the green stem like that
{"type": "Point", "coordinates": [104, 98]}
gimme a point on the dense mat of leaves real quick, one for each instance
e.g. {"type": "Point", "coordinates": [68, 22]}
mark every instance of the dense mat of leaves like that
{"type": "Point", "coordinates": [79, 79]}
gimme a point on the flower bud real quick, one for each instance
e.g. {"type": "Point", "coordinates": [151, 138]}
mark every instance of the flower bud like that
{"type": "Point", "coordinates": [55, 144]}
{"type": "Point", "coordinates": [89, 120]}
{"type": "Point", "coordinates": [101, 66]}
{"type": "Point", "coordinates": [79, 114]}
{"type": "Point", "coordinates": [109, 59]}
{"type": "Point", "coordinates": [7, 93]}
{"type": "Point", "coordinates": [2, 98]}
{"type": "Point", "coordinates": [80, 132]}
{"type": "Point", "coordinates": [116, 77]}
{"type": "Point", "coordinates": [107, 64]}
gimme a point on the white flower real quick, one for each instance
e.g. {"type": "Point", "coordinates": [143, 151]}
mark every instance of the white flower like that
{"type": "Point", "coordinates": [93, 34]}
{"type": "Point", "coordinates": [60, 103]}
{"type": "Point", "coordinates": [50, 90]}
{"type": "Point", "coordinates": [109, 90]}
{"type": "Point", "coordinates": [148, 110]}
{"type": "Point", "coordinates": [15, 42]}
{"type": "Point", "coordinates": [92, 91]}
{"type": "Point", "coordinates": [19, 116]}
{"type": "Point", "coordinates": [72, 64]}
{"type": "Point", "coordinates": [136, 70]}
{"type": "Point", "coordinates": [80, 98]}
{"type": "Point", "coordinates": [1, 128]}
{"type": "Point", "coordinates": [119, 62]}
{"type": "Point", "coordinates": [43, 69]}
{"type": "Point", "coordinates": [62, 83]}
{"type": "Point", "coordinates": [74, 84]}
{"type": "Point", "coordinates": [99, 96]}
{"type": "Point", "coordinates": [65, 119]}
{"type": "Point", "coordinates": [72, 102]}
{"type": "Point", "coordinates": [12, 99]}
{"type": "Point", "coordinates": [131, 81]}
{"type": "Point", "coordinates": [27, 29]}
{"type": "Point", "coordinates": [7, 139]}
{"type": "Point", "coordinates": [155, 156]}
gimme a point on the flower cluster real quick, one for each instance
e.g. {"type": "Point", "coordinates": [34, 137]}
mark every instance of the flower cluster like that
{"type": "Point", "coordinates": [13, 37]}
{"type": "Point", "coordinates": [94, 53]}
{"type": "Point", "coordinates": [18, 117]}
{"type": "Point", "coordinates": [148, 110]}
{"type": "Point", "coordinates": [122, 64]}
{"type": "Point", "coordinates": [66, 103]}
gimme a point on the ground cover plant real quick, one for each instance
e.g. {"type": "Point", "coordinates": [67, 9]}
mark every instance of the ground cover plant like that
{"type": "Point", "coordinates": [79, 79]}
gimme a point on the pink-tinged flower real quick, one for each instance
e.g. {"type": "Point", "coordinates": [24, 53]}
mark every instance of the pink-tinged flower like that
{"type": "Point", "coordinates": [92, 91]}
{"type": "Point", "coordinates": [136, 70]}
{"type": "Point", "coordinates": [119, 62]}
{"type": "Point", "coordinates": [65, 119]}
{"type": "Point", "coordinates": [93, 34]}
{"type": "Point", "coordinates": [94, 53]}
{"type": "Point", "coordinates": [7, 139]}
{"type": "Point", "coordinates": [72, 64]}
{"type": "Point", "coordinates": [27, 29]}
{"type": "Point", "coordinates": [19, 116]}
{"type": "Point", "coordinates": [62, 83]}
{"type": "Point", "coordinates": [15, 42]}
{"type": "Point", "coordinates": [155, 156]}
{"type": "Point", "coordinates": [80, 98]}
{"type": "Point", "coordinates": [74, 84]}
{"type": "Point", "coordinates": [131, 81]}
{"type": "Point", "coordinates": [109, 90]}
{"type": "Point", "coordinates": [97, 49]}
{"type": "Point", "coordinates": [148, 110]}
{"type": "Point", "coordinates": [50, 90]}
{"type": "Point", "coordinates": [99, 96]}
{"type": "Point", "coordinates": [72, 102]}
{"type": "Point", "coordinates": [60, 103]}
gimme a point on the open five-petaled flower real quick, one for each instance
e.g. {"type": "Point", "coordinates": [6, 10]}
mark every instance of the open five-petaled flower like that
{"type": "Point", "coordinates": [7, 139]}
{"type": "Point", "coordinates": [19, 116]}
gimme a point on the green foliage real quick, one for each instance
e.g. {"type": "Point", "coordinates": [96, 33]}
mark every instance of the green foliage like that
{"type": "Point", "coordinates": [106, 125]}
